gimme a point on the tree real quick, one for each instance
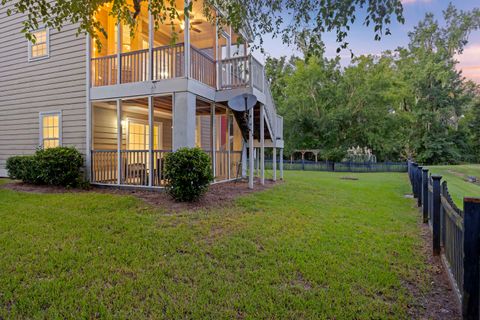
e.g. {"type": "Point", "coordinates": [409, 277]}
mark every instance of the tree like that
{"type": "Point", "coordinates": [440, 93]}
{"type": "Point", "coordinates": [289, 19]}
{"type": "Point", "coordinates": [410, 102]}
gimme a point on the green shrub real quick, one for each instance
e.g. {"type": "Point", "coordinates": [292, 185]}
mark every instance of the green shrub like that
{"type": "Point", "coordinates": [60, 166]}
{"type": "Point", "coordinates": [188, 172]}
{"type": "Point", "coordinates": [24, 168]}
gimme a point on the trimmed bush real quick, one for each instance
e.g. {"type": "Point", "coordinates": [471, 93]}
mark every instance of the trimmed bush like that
{"type": "Point", "coordinates": [60, 166]}
{"type": "Point", "coordinates": [189, 173]}
{"type": "Point", "coordinates": [24, 168]}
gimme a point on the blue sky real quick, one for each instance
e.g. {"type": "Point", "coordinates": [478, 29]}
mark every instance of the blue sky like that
{"type": "Point", "coordinates": [361, 38]}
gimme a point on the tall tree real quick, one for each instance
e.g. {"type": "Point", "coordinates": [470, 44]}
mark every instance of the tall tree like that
{"type": "Point", "coordinates": [441, 95]}
{"type": "Point", "coordinates": [410, 102]}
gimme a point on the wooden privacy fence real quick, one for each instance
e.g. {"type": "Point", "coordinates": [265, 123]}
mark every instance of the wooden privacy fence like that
{"type": "Point", "coordinates": [455, 235]}
{"type": "Point", "coordinates": [341, 166]}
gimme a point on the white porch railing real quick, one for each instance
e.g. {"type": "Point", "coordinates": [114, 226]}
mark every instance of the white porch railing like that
{"type": "Point", "coordinates": [134, 66]}
{"type": "Point", "coordinates": [257, 74]}
{"type": "Point", "coordinates": [134, 167]}
{"type": "Point", "coordinates": [233, 72]}
{"type": "Point", "coordinates": [104, 71]}
{"type": "Point", "coordinates": [168, 62]}
{"type": "Point", "coordinates": [240, 72]}
{"type": "Point", "coordinates": [104, 167]}
{"type": "Point", "coordinates": [136, 170]}
{"type": "Point", "coordinates": [202, 67]}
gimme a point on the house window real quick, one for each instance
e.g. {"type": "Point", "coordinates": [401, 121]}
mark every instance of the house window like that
{"type": "Point", "coordinates": [50, 130]}
{"type": "Point", "coordinates": [39, 49]}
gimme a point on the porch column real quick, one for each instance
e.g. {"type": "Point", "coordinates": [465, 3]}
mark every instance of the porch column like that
{"type": "Point", "coordinates": [150, 141]}
{"type": "Point", "coordinates": [281, 163]}
{"type": "Point", "coordinates": [213, 140]}
{"type": "Point", "coordinates": [89, 110]}
{"type": "Point", "coordinates": [250, 146]}
{"type": "Point", "coordinates": [186, 32]}
{"type": "Point", "coordinates": [274, 163]}
{"type": "Point", "coordinates": [184, 104]}
{"type": "Point", "coordinates": [119, 141]}
{"type": "Point", "coordinates": [151, 35]}
{"type": "Point", "coordinates": [119, 52]}
{"type": "Point", "coordinates": [229, 134]}
{"type": "Point", "coordinates": [262, 144]}
{"type": "Point", "coordinates": [244, 159]}
{"type": "Point", "coordinates": [257, 162]}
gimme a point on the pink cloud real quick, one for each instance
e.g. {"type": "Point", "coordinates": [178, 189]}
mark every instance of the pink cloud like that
{"type": "Point", "coordinates": [469, 62]}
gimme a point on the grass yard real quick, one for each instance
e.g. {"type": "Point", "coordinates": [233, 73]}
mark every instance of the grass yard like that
{"type": "Point", "coordinates": [455, 176]}
{"type": "Point", "coordinates": [313, 247]}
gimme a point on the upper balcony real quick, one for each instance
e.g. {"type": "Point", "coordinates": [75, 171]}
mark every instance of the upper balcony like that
{"type": "Point", "coordinates": [187, 47]}
{"type": "Point", "coordinates": [169, 62]}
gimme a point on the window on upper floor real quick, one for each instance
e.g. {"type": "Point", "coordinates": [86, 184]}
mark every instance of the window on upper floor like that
{"type": "Point", "coordinates": [50, 129]}
{"type": "Point", "coordinates": [41, 48]}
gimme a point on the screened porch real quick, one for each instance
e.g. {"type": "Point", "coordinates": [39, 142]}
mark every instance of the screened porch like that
{"type": "Point", "coordinates": [130, 140]}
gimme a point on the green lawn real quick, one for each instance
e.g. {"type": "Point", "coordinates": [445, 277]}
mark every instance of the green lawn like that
{"type": "Point", "coordinates": [455, 177]}
{"type": "Point", "coordinates": [313, 247]}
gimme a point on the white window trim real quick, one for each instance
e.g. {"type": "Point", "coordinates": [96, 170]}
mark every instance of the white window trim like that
{"type": "Point", "coordinates": [47, 41]}
{"type": "Point", "coordinates": [60, 126]}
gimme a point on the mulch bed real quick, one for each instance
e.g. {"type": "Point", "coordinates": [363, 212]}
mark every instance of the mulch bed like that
{"type": "Point", "coordinates": [218, 195]}
{"type": "Point", "coordinates": [440, 302]}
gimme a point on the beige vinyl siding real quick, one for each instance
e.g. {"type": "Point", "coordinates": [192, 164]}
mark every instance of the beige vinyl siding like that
{"type": "Point", "coordinates": [57, 83]}
{"type": "Point", "coordinates": [105, 129]}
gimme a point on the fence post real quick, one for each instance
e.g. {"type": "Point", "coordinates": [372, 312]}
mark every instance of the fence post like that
{"type": "Point", "coordinates": [409, 165]}
{"type": "Point", "coordinates": [419, 185]}
{"type": "Point", "coordinates": [436, 214]}
{"type": "Point", "coordinates": [443, 193]}
{"type": "Point", "coordinates": [471, 270]}
{"type": "Point", "coordinates": [414, 181]}
{"type": "Point", "coordinates": [425, 194]}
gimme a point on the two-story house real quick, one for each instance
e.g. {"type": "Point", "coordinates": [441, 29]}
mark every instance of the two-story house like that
{"type": "Point", "coordinates": [128, 102]}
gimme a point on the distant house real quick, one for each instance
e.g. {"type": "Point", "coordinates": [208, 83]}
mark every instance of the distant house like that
{"type": "Point", "coordinates": [126, 104]}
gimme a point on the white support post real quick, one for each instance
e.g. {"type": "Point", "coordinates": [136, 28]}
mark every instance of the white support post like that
{"type": "Point", "coordinates": [151, 35]}
{"type": "Point", "coordinates": [119, 53]}
{"type": "Point", "coordinates": [229, 158]}
{"type": "Point", "coordinates": [262, 144]}
{"type": "Point", "coordinates": [217, 56]}
{"type": "Point", "coordinates": [186, 32]}
{"type": "Point", "coordinates": [281, 163]}
{"type": "Point", "coordinates": [244, 159]}
{"type": "Point", "coordinates": [214, 140]}
{"type": "Point", "coordinates": [150, 140]}
{"type": "Point", "coordinates": [250, 146]}
{"type": "Point", "coordinates": [89, 110]}
{"type": "Point", "coordinates": [119, 141]}
{"type": "Point", "coordinates": [257, 163]}
{"type": "Point", "coordinates": [274, 164]}
{"type": "Point", "coordinates": [184, 108]}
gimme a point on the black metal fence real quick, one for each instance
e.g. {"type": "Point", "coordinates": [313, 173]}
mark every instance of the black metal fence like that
{"type": "Point", "coordinates": [341, 166]}
{"type": "Point", "coordinates": [455, 235]}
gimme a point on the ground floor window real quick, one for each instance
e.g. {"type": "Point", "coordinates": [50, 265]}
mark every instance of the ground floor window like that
{"type": "Point", "coordinates": [50, 129]}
